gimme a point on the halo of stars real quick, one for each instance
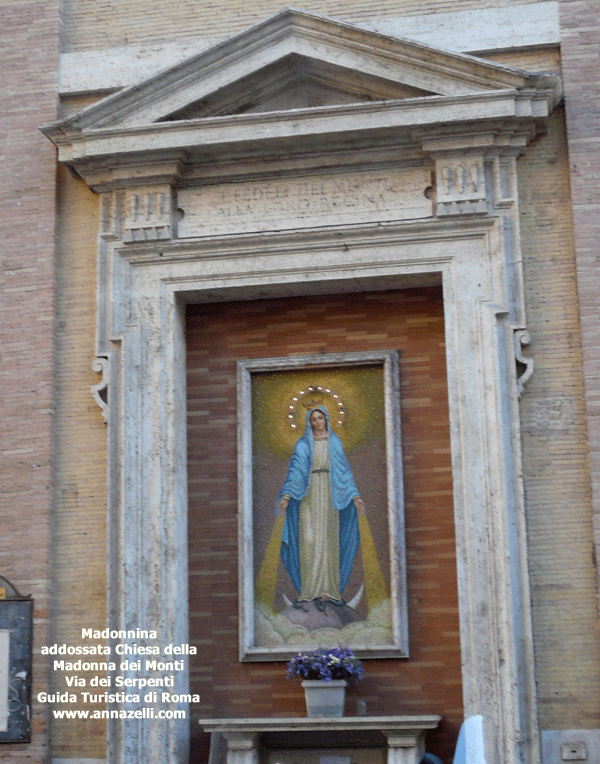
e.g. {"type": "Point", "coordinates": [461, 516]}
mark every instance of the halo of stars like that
{"type": "Point", "coordinates": [298, 405]}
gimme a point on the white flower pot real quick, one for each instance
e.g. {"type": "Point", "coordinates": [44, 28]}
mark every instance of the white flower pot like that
{"type": "Point", "coordinates": [324, 698]}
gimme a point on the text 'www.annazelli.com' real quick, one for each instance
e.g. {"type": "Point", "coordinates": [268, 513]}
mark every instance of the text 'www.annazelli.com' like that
{"type": "Point", "coordinates": [140, 713]}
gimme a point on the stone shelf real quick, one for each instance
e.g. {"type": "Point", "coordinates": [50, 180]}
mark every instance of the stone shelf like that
{"type": "Point", "coordinates": [403, 735]}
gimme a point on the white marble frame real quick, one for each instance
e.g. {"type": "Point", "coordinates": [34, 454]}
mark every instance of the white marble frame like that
{"type": "Point", "coordinates": [389, 363]}
{"type": "Point", "coordinates": [141, 329]}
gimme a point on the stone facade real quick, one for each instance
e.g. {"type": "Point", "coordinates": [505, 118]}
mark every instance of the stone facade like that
{"type": "Point", "coordinates": [60, 312]}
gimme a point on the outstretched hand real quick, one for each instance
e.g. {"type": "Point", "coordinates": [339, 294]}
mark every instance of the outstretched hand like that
{"type": "Point", "coordinates": [360, 505]}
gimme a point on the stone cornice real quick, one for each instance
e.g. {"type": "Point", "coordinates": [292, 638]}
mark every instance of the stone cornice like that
{"type": "Point", "coordinates": [321, 239]}
{"type": "Point", "coordinates": [139, 136]}
{"type": "Point", "coordinates": [122, 156]}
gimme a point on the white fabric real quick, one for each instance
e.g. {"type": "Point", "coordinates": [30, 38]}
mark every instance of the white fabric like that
{"type": "Point", "coordinates": [469, 748]}
{"type": "Point", "coordinates": [319, 528]}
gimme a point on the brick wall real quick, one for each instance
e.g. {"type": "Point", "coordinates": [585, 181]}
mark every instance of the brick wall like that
{"type": "Point", "coordinates": [79, 545]}
{"type": "Point", "coordinates": [89, 25]}
{"type": "Point", "coordinates": [412, 322]}
{"type": "Point", "coordinates": [580, 46]}
{"type": "Point", "coordinates": [29, 60]}
{"type": "Point", "coordinates": [557, 481]}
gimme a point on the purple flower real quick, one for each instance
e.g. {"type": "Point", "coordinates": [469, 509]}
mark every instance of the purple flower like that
{"type": "Point", "coordinates": [326, 665]}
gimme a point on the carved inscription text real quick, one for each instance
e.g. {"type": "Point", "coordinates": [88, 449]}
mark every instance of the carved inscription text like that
{"type": "Point", "coordinates": [290, 203]}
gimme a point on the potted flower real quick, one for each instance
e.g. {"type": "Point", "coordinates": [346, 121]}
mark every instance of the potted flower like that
{"type": "Point", "coordinates": [325, 675]}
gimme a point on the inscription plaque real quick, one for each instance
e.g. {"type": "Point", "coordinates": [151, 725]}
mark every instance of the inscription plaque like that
{"type": "Point", "coordinates": [330, 199]}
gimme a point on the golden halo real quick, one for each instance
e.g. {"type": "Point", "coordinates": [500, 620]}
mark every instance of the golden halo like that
{"type": "Point", "coordinates": [359, 390]}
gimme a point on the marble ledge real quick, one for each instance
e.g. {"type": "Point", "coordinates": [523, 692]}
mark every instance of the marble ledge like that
{"type": "Point", "coordinates": [385, 724]}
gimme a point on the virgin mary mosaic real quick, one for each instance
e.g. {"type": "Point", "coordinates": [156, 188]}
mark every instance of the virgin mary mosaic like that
{"type": "Point", "coordinates": [321, 526]}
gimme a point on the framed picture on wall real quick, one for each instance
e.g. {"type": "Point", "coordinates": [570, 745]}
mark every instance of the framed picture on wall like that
{"type": "Point", "coordinates": [321, 531]}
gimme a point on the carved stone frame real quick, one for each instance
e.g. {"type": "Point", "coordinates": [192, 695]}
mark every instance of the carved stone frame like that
{"type": "Point", "coordinates": [150, 284]}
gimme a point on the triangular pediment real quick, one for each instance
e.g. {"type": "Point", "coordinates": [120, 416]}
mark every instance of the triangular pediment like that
{"type": "Point", "coordinates": [296, 82]}
{"type": "Point", "coordinates": [299, 84]}
{"type": "Point", "coordinates": [296, 60]}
